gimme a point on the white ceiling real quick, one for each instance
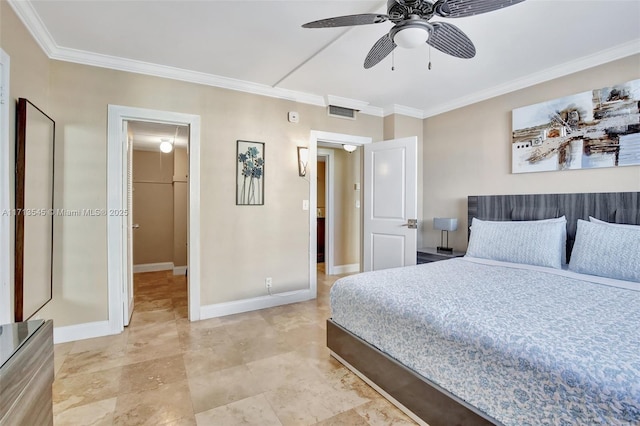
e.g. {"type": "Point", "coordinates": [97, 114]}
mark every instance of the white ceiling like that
{"type": "Point", "coordinates": [147, 136]}
{"type": "Point", "coordinates": [260, 47]}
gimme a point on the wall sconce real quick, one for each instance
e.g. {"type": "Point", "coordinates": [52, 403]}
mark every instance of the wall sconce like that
{"type": "Point", "coordinates": [303, 160]}
{"type": "Point", "coordinates": [349, 148]}
{"type": "Point", "coordinates": [445, 224]}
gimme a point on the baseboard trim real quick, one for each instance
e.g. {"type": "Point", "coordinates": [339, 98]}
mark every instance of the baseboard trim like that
{"type": "Point", "coordinates": [83, 331]}
{"type": "Point", "coordinates": [254, 304]}
{"type": "Point", "coordinates": [153, 267]}
{"type": "Point", "coordinates": [346, 269]}
{"type": "Point", "coordinates": [179, 270]}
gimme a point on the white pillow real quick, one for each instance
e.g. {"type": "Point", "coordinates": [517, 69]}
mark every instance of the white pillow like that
{"type": "Point", "coordinates": [536, 242]}
{"type": "Point", "coordinates": [618, 225]}
{"type": "Point", "coordinates": [607, 250]}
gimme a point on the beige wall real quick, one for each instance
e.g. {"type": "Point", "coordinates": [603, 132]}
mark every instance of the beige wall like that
{"type": "Point", "coordinates": [160, 207]}
{"type": "Point", "coordinates": [347, 226]}
{"type": "Point", "coordinates": [152, 166]}
{"type": "Point", "coordinates": [29, 78]}
{"type": "Point", "coordinates": [240, 245]}
{"type": "Point", "coordinates": [180, 206]}
{"type": "Point", "coordinates": [468, 151]}
{"type": "Point", "coordinates": [347, 171]}
{"type": "Point", "coordinates": [153, 207]}
{"type": "Point", "coordinates": [321, 191]}
{"type": "Point", "coordinates": [465, 152]}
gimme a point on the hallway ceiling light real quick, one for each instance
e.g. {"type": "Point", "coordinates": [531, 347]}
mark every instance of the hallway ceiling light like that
{"type": "Point", "coordinates": [349, 148]}
{"type": "Point", "coordinates": [166, 146]}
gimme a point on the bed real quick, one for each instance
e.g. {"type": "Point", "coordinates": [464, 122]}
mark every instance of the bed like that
{"type": "Point", "coordinates": [516, 340]}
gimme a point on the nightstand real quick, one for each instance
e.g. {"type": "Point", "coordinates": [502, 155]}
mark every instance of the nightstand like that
{"type": "Point", "coordinates": [430, 254]}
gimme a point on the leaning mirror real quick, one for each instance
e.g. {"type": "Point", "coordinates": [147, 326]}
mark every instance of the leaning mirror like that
{"type": "Point", "coordinates": [35, 137]}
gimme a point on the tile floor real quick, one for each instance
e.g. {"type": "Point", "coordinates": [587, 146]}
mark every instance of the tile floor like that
{"type": "Point", "coordinates": [269, 367]}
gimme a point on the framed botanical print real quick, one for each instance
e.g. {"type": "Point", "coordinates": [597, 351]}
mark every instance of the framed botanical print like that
{"type": "Point", "coordinates": [249, 173]}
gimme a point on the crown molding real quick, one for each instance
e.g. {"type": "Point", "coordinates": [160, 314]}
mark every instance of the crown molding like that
{"type": "Point", "coordinates": [30, 18]}
{"type": "Point", "coordinates": [617, 52]}
{"type": "Point", "coordinates": [146, 68]}
{"type": "Point", "coordinates": [404, 110]}
{"type": "Point", "coordinates": [38, 30]}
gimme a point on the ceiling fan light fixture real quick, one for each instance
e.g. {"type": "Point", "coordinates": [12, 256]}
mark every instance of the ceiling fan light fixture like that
{"type": "Point", "coordinates": [412, 27]}
{"type": "Point", "coordinates": [411, 37]}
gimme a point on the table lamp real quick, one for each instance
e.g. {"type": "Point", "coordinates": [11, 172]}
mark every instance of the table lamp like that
{"type": "Point", "coordinates": [445, 224]}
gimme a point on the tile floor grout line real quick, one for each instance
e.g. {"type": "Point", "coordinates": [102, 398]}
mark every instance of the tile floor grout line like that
{"type": "Point", "coordinates": [160, 334]}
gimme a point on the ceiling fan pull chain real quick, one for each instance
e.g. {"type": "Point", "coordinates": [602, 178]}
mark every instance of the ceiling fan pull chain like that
{"type": "Point", "coordinates": [429, 67]}
{"type": "Point", "coordinates": [393, 61]}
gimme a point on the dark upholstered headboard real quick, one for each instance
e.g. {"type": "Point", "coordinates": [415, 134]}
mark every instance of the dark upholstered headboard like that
{"type": "Point", "coordinates": [616, 207]}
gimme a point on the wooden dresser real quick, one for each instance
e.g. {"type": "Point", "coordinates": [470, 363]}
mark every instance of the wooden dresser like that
{"type": "Point", "coordinates": [26, 374]}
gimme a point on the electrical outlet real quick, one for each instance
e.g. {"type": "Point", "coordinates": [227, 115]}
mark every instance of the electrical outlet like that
{"type": "Point", "coordinates": [268, 282]}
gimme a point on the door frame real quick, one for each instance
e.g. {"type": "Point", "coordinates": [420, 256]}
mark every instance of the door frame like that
{"type": "Point", "coordinates": [328, 137]}
{"type": "Point", "coordinates": [116, 225]}
{"type": "Point", "coordinates": [128, 302]}
{"type": "Point", "coordinates": [6, 271]}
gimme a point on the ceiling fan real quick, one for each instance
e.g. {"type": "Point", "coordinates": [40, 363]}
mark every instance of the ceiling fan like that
{"type": "Point", "coordinates": [412, 27]}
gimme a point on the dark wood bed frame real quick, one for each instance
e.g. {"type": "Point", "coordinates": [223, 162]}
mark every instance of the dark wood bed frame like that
{"type": "Point", "coordinates": [415, 394]}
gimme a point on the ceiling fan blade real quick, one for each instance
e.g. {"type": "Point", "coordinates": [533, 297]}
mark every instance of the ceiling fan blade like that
{"type": "Point", "coordinates": [379, 51]}
{"type": "Point", "coordinates": [451, 40]}
{"type": "Point", "coordinates": [463, 8]}
{"type": "Point", "coordinates": [347, 21]}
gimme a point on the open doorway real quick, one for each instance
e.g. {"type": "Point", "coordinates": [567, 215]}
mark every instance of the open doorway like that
{"type": "Point", "coordinates": [322, 207]}
{"type": "Point", "coordinates": [159, 192]}
{"type": "Point", "coordinates": [158, 196]}
{"type": "Point", "coordinates": [338, 209]}
{"type": "Point", "coordinates": [118, 226]}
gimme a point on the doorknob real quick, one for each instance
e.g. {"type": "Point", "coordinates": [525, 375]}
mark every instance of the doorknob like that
{"type": "Point", "coordinates": [411, 223]}
{"type": "Point", "coordinates": [135, 226]}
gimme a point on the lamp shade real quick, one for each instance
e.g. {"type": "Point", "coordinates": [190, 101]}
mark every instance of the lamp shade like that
{"type": "Point", "coordinates": [445, 223]}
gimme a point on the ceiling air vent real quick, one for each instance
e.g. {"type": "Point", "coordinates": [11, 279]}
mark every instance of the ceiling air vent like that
{"type": "Point", "coordinates": [342, 112]}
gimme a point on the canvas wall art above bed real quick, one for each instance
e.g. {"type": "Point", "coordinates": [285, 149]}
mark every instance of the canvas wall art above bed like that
{"type": "Point", "coordinates": [598, 128]}
{"type": "Point", "coordinates": [510, 334]}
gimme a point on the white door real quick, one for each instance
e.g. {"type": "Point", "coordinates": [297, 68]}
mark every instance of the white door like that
{"type": "Point", "coordinates": [129, 228]}
{"type": "Point", "coordinates": [390, 204]}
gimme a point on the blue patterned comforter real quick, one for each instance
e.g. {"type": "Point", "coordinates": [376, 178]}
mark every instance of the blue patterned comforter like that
{"type": "Point", "coordinates": [526, 347]}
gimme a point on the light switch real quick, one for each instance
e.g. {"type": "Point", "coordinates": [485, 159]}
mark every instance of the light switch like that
{"type": "Point", "coordinates": [357, 204]}
{"type": "Point", "coordinates": [305, 204]}
{"type": "Point", "coordinates": [356, 186]}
